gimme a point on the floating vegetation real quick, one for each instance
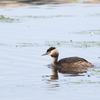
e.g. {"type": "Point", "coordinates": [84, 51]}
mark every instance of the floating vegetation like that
{"type": "Point", "coordinates": [91, 32]}
{"type": "Point", "coordinates": [81, 81]}
{"type": "Point", "coordinates": [11, 20]}
{"type": "Point", "coordinates": [5, 45]}
{"type": "Point", "coordinates": [8, 19]}
{"type": "Point", "coordinates": [95, 14]}
{"type": "Point", "coordinates": [27, 44]}
{"type": "Point", "coordinates": [51, 16]}
{"type": "Point", "coordinates": [86, 82]}
{"type": "Point", "coordinates": [80, 44]}
{"type": "Point", "coordinates": [94, 72]}
{"type": "Point", "coordinates": [21, 18]}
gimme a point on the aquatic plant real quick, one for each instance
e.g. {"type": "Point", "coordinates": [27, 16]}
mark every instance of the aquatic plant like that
{"type": "Point", "coordinates": [27, 44]}
{"type": "Point", "coordinates": [50, 16]}
{"type": "Point", "coordinates": [7, 19]}
{"type": "Point", "coordinates": [76, 44]}
{"type": "Point", "coordinates": [86, 82]}
{"type": "Point", "coordinates": [91, 32]}
{"type": "Point", "coordinates": [95, 14]}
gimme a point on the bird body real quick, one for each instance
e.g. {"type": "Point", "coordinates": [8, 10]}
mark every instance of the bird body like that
{"type": "Point", "coordinates": [70, 64]}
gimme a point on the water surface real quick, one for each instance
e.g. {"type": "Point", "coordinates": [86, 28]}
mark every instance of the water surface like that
{"type": "Point", "coordinates": [23, 71]}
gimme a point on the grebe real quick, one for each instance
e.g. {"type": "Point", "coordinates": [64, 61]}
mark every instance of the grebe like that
{"type": "Point", "coordinates": [70, 64]}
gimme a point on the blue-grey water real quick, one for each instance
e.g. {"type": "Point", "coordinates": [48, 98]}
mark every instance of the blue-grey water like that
{"type": "Point", "coordinates": [74, 29]}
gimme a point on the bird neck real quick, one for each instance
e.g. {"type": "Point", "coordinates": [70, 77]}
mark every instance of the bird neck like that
{"type": "Point", "coordinates": [54, 62]}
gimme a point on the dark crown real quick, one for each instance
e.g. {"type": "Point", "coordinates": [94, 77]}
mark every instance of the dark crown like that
{"type": "Point", "coordinates": [50, 49]}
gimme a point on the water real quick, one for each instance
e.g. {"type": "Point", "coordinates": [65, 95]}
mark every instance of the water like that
{"type": "Point", "coordinates": [24, 74]}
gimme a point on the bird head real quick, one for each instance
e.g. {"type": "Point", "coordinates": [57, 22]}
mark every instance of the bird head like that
{"type": "Point", "coordinates": [52, 51]}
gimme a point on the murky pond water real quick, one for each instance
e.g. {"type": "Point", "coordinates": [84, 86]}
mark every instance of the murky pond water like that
{"type": "Point", "coordinates": [27, 32]}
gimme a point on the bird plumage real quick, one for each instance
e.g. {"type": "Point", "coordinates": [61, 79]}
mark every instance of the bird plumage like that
{"type": "Point", "coordinates": [70, 64]}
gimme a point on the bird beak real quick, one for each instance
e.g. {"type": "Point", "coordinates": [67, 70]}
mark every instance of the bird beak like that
{"type": "Point", "coordinates": [45, 54]}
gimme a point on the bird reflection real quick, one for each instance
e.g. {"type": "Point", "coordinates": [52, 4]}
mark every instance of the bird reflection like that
{"type": "Point", "coordinates": [54, 75]}
{"type": "Point", "coordinates": [71, 72]}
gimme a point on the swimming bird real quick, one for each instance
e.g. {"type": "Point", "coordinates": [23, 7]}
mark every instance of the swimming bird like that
{"type": "Point", "coordinates": [70, 64]}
